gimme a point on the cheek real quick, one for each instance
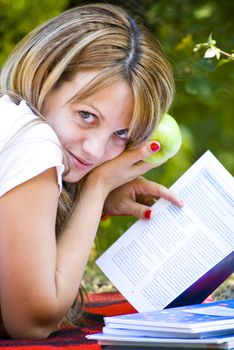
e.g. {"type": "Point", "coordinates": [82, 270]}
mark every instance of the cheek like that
{"type": "Point", "coordinates": [68, 135]}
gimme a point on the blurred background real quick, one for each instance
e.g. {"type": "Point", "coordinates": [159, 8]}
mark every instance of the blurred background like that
{"type": "Point", "coordinates": [204, 100]}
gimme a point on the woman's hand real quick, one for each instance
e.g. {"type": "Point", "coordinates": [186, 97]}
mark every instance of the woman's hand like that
{"type": "Point", "coordinates": [136, 197]}
{"type": "Point", "coordinates": [126, 167]}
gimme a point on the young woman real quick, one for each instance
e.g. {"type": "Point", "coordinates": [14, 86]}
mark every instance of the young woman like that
{"type": "Point", "coordinates": [81, 95]}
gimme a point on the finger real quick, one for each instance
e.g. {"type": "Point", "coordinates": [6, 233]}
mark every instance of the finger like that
{"type": "Point", "coordinates": [136, 159]}
{"type": "Point", "coordinates": [140, 211]}
{"type": "Point", "coordinates": [146, 199]}
{"type": "Point", "coordinates": [141, 153]}
{"type": "Point", "coordinates": [161, 191]}
{"type": "Point", "coordinates": [151, 189]}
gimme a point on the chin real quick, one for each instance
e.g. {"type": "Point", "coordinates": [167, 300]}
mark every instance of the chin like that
{"type": "Point", "coordinates": [71, 179]}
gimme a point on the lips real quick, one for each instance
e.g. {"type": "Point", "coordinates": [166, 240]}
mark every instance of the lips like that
{"type": "Point", "coordinates": [79, 162]}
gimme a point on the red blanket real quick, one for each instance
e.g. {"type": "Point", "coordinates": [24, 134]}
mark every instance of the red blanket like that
{"type": "Point", "coordinates": [98, 305]}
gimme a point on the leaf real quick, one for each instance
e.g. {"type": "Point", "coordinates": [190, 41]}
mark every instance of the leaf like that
{"type": "Point", "coordinates": [200, 46]}
{"type": "Point", "coordinates": [222, 62]}
{"type": "Point", "coordinates": [218, 54]}
{"type": "Point", "coordinates": [211, 40]}
{"type": "Point", "coordinates": [185, 42]}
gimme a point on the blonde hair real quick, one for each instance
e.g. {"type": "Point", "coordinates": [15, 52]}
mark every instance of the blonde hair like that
{"type": "Point", "coordinates": [100, 37]}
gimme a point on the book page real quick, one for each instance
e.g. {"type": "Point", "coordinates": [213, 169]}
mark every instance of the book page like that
{"type": "Point", "coordinates": [155, 261]}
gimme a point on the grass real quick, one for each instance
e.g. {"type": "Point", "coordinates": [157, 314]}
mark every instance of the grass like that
{"type": "Point", "coordinates": [226, 290]}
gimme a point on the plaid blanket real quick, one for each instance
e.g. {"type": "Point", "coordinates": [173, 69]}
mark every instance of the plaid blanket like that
{"type": "Point", "coordinates": [73, 338]}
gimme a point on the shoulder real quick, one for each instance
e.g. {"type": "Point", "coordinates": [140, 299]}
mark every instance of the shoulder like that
{"type": "Point", "coordinates": [20, 120]}
{"type": "Point", "coordinates": [28, 146]}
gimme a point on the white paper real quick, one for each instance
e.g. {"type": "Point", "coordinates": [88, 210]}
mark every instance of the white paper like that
{"type": "Point", "coordinates": [225, 342]}
{"type": "Point", "coordinates": [155, 261]}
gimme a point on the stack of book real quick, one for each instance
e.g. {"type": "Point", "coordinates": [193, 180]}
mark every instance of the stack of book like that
{"type": "Point", "coordinates": [201, 326]}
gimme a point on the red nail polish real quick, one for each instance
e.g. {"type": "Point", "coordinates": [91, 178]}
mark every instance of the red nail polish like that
{"type": "Point", "coordinates": [155, 146]}
{"type": "Point", "coordinates": [148, 214]}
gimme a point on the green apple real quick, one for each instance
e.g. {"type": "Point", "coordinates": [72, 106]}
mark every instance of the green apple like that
{"type": "Point", "coordinates": [105, 223]}
{"type": "Point", "coordinates": [169, 136]}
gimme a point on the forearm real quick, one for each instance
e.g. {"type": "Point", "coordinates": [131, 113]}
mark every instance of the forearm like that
{"type": "Point", "coordinates": [75, 243]}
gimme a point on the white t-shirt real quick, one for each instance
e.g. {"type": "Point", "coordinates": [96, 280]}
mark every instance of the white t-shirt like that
{"type": "Point", "coordinates": [26, 149]}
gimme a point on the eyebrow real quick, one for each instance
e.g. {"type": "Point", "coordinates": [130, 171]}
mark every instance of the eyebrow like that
{"type": "Point", "coordinates": [90, 104]}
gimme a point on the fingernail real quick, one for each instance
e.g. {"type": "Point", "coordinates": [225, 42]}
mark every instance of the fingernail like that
{"type": "Point", "coordinates": [148, 214]}
{"type": "Point", "coordinates": [155, 146]}
{"type": "Point", "coordinates": [181, 202]}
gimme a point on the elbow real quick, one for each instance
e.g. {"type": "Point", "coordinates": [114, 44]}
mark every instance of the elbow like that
{"type": "Point", "coordinates": [32, 320]}
{"type": "Point", "coordinates": [30, 327]}
{"type": "Point", "coordinates": [30, 332]}
{"type": "Point", "coordinates": [36, 333]}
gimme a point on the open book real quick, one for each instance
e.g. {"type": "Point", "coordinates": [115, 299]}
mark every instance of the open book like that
{"type": "Point", "coordinates": [177, 258]}
{"type": "Point", "coordinates": [181, 255]}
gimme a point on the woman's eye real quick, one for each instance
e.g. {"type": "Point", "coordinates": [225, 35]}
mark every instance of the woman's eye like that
{"type": "Point", "coordinates": [88, 117]}
{"type": "Point", "coordinates": [123, 134]}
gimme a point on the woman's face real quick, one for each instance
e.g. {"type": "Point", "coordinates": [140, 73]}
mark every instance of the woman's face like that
{"type": "Point", "coordinates": [93, 130]}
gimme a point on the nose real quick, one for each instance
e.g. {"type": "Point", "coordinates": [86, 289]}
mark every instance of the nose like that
{"type": "Point", "coordinates": [95, 148]}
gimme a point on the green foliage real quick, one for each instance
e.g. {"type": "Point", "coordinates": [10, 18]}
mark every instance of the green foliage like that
{"type": "Point", "coordinates": [18, 17]}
